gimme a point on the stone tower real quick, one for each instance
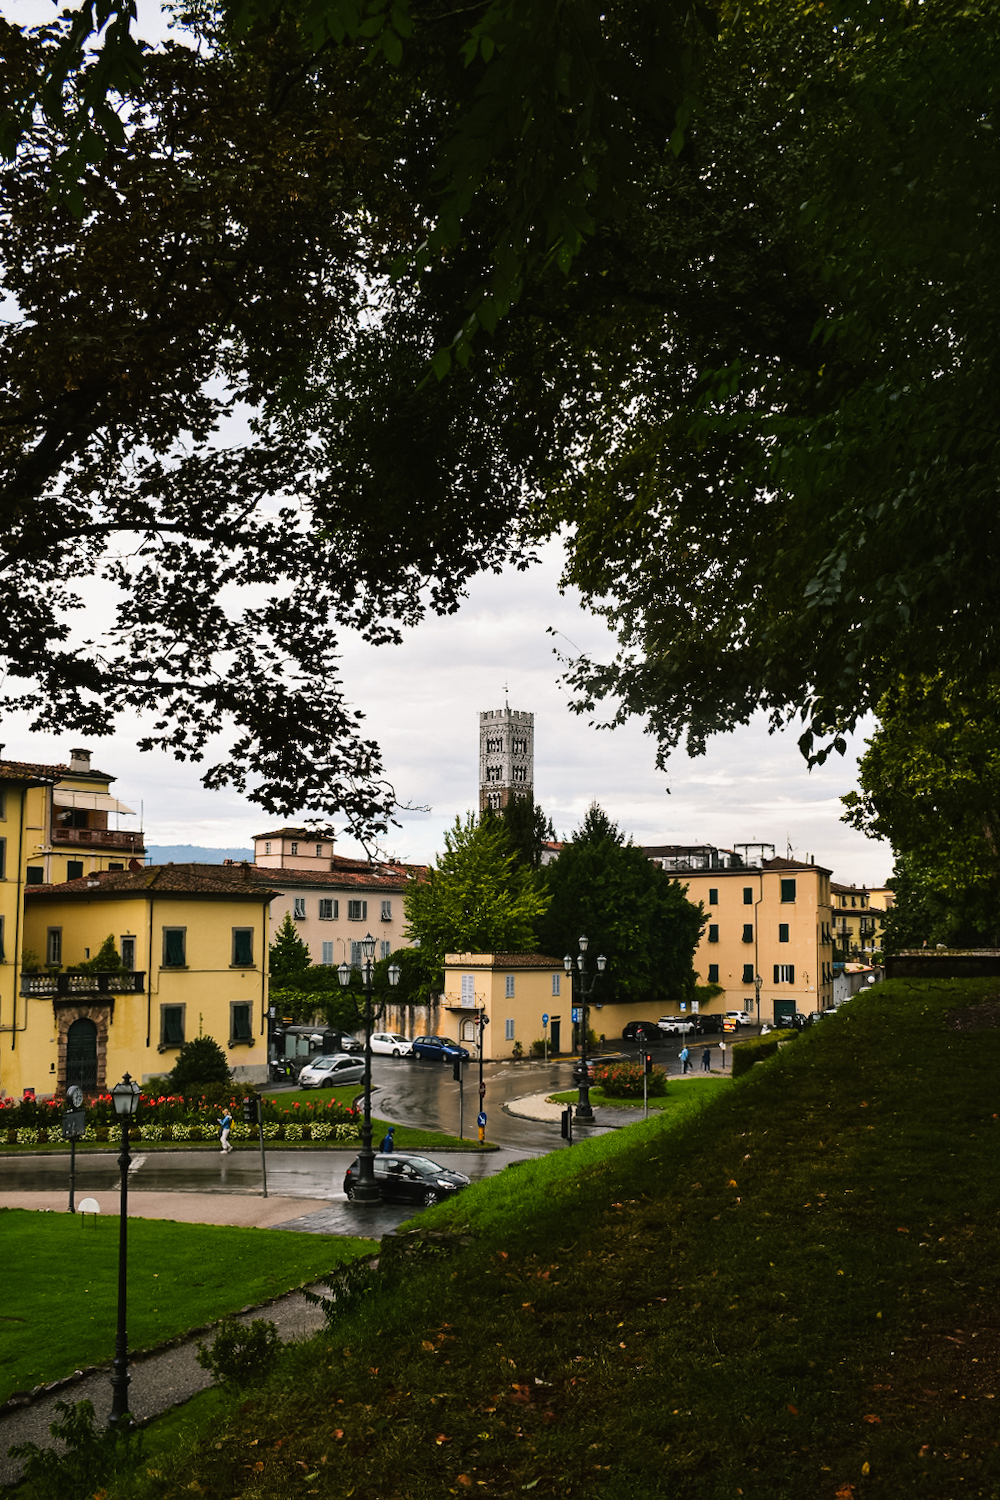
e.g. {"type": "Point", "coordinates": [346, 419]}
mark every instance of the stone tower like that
{"type": "Point", "coordinates": [506, 756]}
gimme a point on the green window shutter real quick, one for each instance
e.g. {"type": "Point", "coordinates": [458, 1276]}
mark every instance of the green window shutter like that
{"type": "Point", "coordinates": [777, 972]}
{"type": "Point", "coordinates": [713, 934]}
{"type": "Point", "coordinates": [243, 945]}
{"type": "Point", "coordinates": [748, 973]}
{"type": "Point", "coordinates": [748, 895]}
{"type": "Point", "coordinates": [713, 973]}
{"type": "Point", "coordinates": [174, 947]}
{"type": "Point", "coordinates": [713, 895]}
{"type": "Point", "coordinates": [788, 890]}
{"type": "Point", "coordinates": [748, 932]}
{"type": "Point", "coordinates": [241, 1023]}
{"type": "Point", "coordinates": [782, 932]}
{"type": "Point", "coordinates": [173, 1026]}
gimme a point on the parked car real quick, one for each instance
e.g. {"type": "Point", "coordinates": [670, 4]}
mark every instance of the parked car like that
{"type": "Point", "coordinates": [708, 1025]}
{"type": "Point", "coordinates": [414, 1179]}
{"type": "Point", "coordinates": [391, 1044]}
{"type": "Point", "coordinates": [438, 1048]}
{"type": "Point", "coordinates": [331, 1071]}
{"type": "Point", "coordinates": [741, 1017]}
{"type": "Point", "coordinates": [636, 1030]}
{"type": "Point", "coordinates": [675, 1025]}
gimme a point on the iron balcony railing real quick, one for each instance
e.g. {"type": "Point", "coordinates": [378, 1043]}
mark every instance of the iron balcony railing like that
{"type": "Point", "coordinates": [58, 986]}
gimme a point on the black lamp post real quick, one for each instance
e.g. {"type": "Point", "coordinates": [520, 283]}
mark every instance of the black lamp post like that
{"type": "Point", "coordinates": [584, 985]}
{"type": "Point", "coordinates": [757, 982]}
{"type": "Point", "coordinates": [366, 1190]}
{"type": "Point", "coordinates": [126, 1097]}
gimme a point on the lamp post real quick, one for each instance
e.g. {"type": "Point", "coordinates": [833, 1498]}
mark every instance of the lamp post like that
{"type": "Point", "coordinates": [584, 985]}
{"type": "Point", "coordinates": [366, 1190]}
{"type": "Point", "coordinates": [757, 982]}
{"type": "Point", "coordinates": [126, 1097]}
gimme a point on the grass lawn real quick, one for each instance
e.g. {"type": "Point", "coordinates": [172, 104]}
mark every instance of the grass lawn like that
{"type": "Point", "coordinates": [678, 1098]}
{"type": "Point", "coordinates": [788, 1294]}
{"type": "Point", "coordinates": [407, 1138]}
{"type": "Point", "coordinates": [63, 1312]}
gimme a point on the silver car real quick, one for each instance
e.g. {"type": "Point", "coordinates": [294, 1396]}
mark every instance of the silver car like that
{"type": "Point", "coordinates": [391, 1044]}
{"type": "Point", "coordinates": [331, 1071]}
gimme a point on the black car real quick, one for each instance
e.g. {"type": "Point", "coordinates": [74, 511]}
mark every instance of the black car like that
{"type": "Point", "coordinates": [708, 1025]}
{"type": "Point", "coordinates": [642, 1031]}
{"type": "Point", "coordinates": [411, 1179]}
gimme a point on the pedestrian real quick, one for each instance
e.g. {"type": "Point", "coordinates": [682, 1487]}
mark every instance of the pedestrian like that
{"type": "Point", "coordinates": [388, 1145]}
{"type": "Point", "coordinates": [225, 1126]}
{"type": "Point", "coordinates": [722, 1049]}
{"type": "Point", "coordinates": [706, 1061]}
{"type": "Point", "coordinates": [685, 1059]}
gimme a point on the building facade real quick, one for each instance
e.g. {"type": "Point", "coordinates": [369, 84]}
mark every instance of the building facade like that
{"type": "Point", "coordinates": [506, 757]}
{"type": "Point", "coordinates": [193, 941]}
{"type": "Point", "coordinates": [525, 997]}
{"type": "Point", "coordinates": [857, 920]}
{"type": "Point", "coordinates": [768, 919]}
{"type": "Point", "coordinates": [69, 822]}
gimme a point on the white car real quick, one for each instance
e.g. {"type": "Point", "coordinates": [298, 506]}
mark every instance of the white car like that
{"type": "Point", "coordinates": [331, 1071]}
{"type": "Point", "coordinates": [675, 1025]}
{"type": "Point", "coordinates": [391, 1044]}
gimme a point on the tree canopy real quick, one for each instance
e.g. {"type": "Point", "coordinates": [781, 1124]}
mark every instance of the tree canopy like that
{"type": "Point", "coordinates": [478, 898]}
{"type": "Point", "coordinates": [289, 956]}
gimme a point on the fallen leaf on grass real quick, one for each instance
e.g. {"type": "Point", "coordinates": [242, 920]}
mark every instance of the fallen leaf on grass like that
{"type": "Point", "coordinates": [846, 1492]}
{"type": "Point", "coordinates": [793, 1409]}
{"type": "Point", "coordinates": [442, 1438]}
{"type": "Point", "coordinates": [871, 1417]}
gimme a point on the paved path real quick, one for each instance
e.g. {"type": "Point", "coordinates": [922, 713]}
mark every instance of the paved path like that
{"type": "Point", "coordinates": [245, 1211]}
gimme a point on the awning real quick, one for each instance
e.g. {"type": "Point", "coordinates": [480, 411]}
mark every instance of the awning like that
{"type": "Point", "coordinates": [93, 801]}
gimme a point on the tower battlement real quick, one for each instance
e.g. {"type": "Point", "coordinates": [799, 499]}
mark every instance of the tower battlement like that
{"type": "Point", "coordinates": [506, 756]}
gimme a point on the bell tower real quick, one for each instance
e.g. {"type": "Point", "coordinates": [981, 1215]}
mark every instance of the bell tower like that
{"type": "Point", "coordinates": [506, 756]}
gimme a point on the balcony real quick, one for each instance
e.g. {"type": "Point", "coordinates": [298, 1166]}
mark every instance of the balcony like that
{"type": "Point", "coordinates": [100, 838]}
{"type": "Point", "coordinates": [80, 986]}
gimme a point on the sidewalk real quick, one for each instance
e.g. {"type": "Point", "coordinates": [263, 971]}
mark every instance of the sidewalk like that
{"type": "Point", "coordinates": [245, 1211]}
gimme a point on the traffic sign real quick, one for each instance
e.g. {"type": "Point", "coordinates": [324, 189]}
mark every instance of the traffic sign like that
{"type": "Point", "coordinates": [577, 1013]}
{"type": "Point", "coordinates": [545, 1019]}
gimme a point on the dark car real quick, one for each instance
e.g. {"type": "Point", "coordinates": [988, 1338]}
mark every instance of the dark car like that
{"type": "Point", "coordinates": [440, 1048]}
{"type": "Point", "coordinates": [708, 1025]}
{"type": "Point", "coordinates": [636, 1031]}
{"type": "Point", "coordinates": [412, 1179]}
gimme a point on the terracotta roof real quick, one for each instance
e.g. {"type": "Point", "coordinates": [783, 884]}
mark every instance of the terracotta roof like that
{"type": "Point", "coordinates": [337, 880]}
{"type": "Point", "coordinates": [223, 882]}
{"type": "Point", "coordinates": [309, 835]}
{"type": "Point", "coordinates": [15, 770]}
{"type": "Point", "coordinates": [501, 961]}
{"type": "Point", "coordinates": [793, 864]}
{"type": "Point", "coordinates": [848, 890]}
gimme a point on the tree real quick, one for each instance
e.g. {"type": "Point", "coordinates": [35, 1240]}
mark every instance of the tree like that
{"type": "Point", "coordinates": [528, 829]}
{"type": "Point", "coordinates": [107, 960]}
{"type": "Point", "coordinates": [479, 898]}
{"type": "Point", "coordinates": [629, 909]}
{"type": "Point", "coordinates": [289, 955]}
{"type": "Point", "coordinates": [200, 1063]}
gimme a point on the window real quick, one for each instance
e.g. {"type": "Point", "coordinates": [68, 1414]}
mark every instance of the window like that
{"type": "Point", "coordinates": [174, 947]}
{"type": "Point", "coordinates": [116, 867]}
{"type": "Point", "coordinates": [294, 849]}
{"type": "Point", "coordinates": [713, 934]}
{"type": "Point", "coordinates": [327, 954]}
{"type": "Point", "coordinates": [385, 949]}
{"type": "Point", "coordinates": [328, 910]}
{"type": "Point", "coordinates": [319, 851]}
{"type": "Point", "coordinates": [53, 946]}
{"type": "Point", "coordinates": [468, 989]}
{"type": "Point", "coordinates": [128, 953]}
{"type": "Point", "coordinates": [74, 869]}
{"type": "Point", "coordinates": [784, 973]}
{"type": "Point", "coordinates": [508, 988]}
{"type": "Point", "coordinates": [3, 805]}
{"type": "Point", "coordinates": [713, 973]}
{"type": "Point", "coordinates": [36, 875]}
{"type": "Point", "coordinates": [239, 1022]}
{"type": "Point", "coordinates": [748, 932]}
{"type": "Point", "coordinates": [3, 951]}
{"type": "Point", "coordinates": [242, 947]}
{"type": "Point", "coordinates": [782, 932]}
{"type": "Point", "coordinates": [519, 773]}
{"type": "Point", "coordinates": [508, 1031]}
{"type": "Point", "coordinates": [748, 895]}
{"type": "Point", "coordinates": [357, 911]}
{"type": "Point", "coordinates": [713, 895]}
{"type": "Point", "coordinates": [298, 906]}
{"type": "Point", "coordinates": [386, 911]}
{"type": "Point", "coordinates": [171, 1026]}
{"type": "Point", "coordinates": [555, 984]}
{"type": "Point", "coordinates": [519, 747]}
{"type": "Point", "coordinates": [357, 955]}
{"type": "Point", "coordinates": [788, 890]}
{"type": "Point", "coordinates": [748, 973]}
{"type": "Point", "coordinates": [267, 848]}
{"type": "Point", "coordinates": [3, 859]}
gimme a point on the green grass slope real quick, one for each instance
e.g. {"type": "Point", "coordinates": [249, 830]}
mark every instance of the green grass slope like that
{"type": "Point", "coordinates": [788, 1293]}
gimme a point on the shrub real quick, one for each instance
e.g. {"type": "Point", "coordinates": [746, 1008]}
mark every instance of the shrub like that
{"type": "Point", "coordinates": [538, 1048]}
{"type": "Point", "coordinates": [93, 1456]}
{"type": "Point", "coordinates": [241, 1355]}
{"type": "Point", "coordinates": [745, 1054]}
{"type": "Point", "coordinates": [199, 1062]}
{"type": "Point", "coordinates": [625, 1081]}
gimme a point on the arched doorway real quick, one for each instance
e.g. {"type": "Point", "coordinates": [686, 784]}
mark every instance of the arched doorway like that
{"type": "Point", "coordinates": [81, 1054]}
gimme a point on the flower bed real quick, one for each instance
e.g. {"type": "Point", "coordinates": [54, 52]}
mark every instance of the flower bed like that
{"type": "Point", "coordinates": [165, 1117]}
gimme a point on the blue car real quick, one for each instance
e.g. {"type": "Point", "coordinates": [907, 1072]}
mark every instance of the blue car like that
{"type": "Point", "coordinates": [441, 1048]}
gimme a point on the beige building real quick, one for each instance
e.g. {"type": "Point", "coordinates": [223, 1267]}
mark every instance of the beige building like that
{"type": "Point", "coordinates": [768, 918]}
{"type": "Point", "coordinates": [515, 991]}
{"type": "Point", "coordinates": [857, 920]}
{"type": "Point", "coordinates": [334, 902]}
{"type": "Point", "coordinates": [193, 940]}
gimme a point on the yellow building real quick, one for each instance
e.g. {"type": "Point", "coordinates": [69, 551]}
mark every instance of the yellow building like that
{"type": "Point", "coordinates": [857, 920]}
{"type": "Point", "coordinates": [68, 820]}
{"type": "Point", "coordinates": [515, 990]}
{"type": "Point", "coordinates": [22, 790]}
{"type": "Point", "coordinates": [767, 918]}
{"type": "Point", "coordinates": [193, 943]}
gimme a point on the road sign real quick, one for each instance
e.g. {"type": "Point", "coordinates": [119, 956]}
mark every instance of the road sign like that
{"type": "Point", "coordinates": [545, 1019]}
{"type": "Point", "coordinates": [577, 1013]}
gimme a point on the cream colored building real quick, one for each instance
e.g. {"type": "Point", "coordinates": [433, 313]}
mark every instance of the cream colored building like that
{"type": "Point", "coordinates": [857, 920]}
{"type": "Point", "coordinates": [334, 902]}
{"type": "Point", "coordinates": [515, 991]}
{"type": "Point", "coordinates": [194, 944]}
{"type": "Point", "coordinates": [73, 826]}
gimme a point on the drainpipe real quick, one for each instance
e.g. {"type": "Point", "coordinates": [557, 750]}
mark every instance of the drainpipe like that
{"type": "Point", "coordinates": [756, 937]}
{"type": "Point", "coordinates": [149, 976]}
{"type": "Point", "coordinates": [17, 929]}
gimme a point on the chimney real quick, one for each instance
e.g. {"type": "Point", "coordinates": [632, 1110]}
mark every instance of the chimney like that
{"type": "Point", "coordinates": [79, 760]}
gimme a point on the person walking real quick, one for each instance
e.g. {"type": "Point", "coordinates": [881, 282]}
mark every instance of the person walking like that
{"type": "Point", "coordinates": [388, 1145]}
{"type": "Point", "coordinates": [722, 1049]}
{"type": "Point", "coordinates": [685, 1059]}
{"type": "Point", "coordinates": [225, 1126]}
{"type": "Point", "coordinates": [706, 1061]}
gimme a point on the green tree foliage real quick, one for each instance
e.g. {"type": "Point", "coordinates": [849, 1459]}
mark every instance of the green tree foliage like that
{"type": "Point", "coordinates": [479, 898]}
{"type": "Point", "coordinates": [528, 829]}
{"type": "Point", "coordinates": [200, 1063]}
{"type": "Point", "coordinates": [107, 960]}
{"type": "Point", "coordinates": [930, 784]}
{"type": "Point", "coordinates": [629, 909]}
{"type": "Point", "coordinates": [289, 956]}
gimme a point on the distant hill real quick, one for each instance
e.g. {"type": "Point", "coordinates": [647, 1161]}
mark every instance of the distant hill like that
{"type": "Point", "coordinates": [183, 854]}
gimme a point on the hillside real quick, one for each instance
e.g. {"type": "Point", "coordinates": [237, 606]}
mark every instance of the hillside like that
{"type": "Point", "coordinates": [790, 1294]}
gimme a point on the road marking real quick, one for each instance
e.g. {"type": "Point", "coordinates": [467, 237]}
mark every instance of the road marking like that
{"type": "Point", "coordinates": [136, 1163]}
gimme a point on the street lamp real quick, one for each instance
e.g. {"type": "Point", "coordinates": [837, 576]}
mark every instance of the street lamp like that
{"type": "Point", "coordinates": [126, 1098]}
{"type": "Point", "coordinates": [584, 984]}
{"type": "Point", "coordinates": [757, 982]}
{"type": "Point", "coordinates": [366, 1190]}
